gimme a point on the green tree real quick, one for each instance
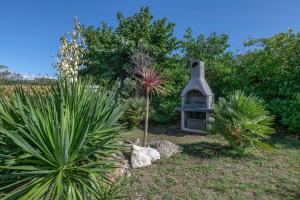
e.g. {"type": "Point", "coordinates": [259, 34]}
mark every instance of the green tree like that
{"type": "Point", "coordinates": [110, 49]}
{"type": "Point", "coordinates": [270, 69]}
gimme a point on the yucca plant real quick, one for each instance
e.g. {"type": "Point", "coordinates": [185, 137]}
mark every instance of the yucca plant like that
{"type": "Point", "coordinates": [59, 142]}
{"type": "Point", "coordinates": [242, 120]}
{"type": "Point", "coordinates": [152, 83]}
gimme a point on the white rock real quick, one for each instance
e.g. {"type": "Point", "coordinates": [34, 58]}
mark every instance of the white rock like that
{"type": "Point", "coordinates": [143, 156]}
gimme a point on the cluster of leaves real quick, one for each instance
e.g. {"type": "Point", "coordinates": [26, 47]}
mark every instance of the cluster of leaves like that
{"type": "Point", "coordinates": [242, 120]}
{"type": "Point", "coordinates": [55, 146]}
{"type": "Point", "coordinates": [110, 49]}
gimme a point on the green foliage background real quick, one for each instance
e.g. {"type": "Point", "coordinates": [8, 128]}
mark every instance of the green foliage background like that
{"type": "Point", "coordinates": [269, 67]}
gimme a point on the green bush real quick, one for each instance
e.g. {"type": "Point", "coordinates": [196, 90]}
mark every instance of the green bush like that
{"type": "Point", "coordinates": [134, 112]}
{"type": "Point", "coordinates": [57, 145]}
{"type": "Point", "coordinates": [163, 107]}
{"type": "Point", "coordinates": [164, 110]}
{"type": "Point", "coordinates": [242, 120]}
{"type": "Point", "coordinates": [287, 112]}
{"type": "Point", "coordinates": [270, 70]}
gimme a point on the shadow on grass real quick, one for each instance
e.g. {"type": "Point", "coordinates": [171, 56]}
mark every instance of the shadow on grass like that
{"type": "Point", "coordinates": [284, 142]}
{"type": "Point", "coordinates": [212, 150]}
{"type": "Point", "coordinates": [170, 130]}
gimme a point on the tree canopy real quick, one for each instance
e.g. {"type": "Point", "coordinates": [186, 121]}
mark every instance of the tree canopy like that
{"type": "Point", "coordinates": [271, 70]}
{"type": "Point", "coordinates": [110, 49]}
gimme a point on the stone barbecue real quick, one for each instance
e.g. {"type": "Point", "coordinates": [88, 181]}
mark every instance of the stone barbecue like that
{"type": "Point", "coordinates": [196, 101]}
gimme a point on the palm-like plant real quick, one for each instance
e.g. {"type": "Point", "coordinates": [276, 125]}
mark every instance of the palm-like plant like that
{"type": "Point", "coordinates": [59, 142]}
{"type": "Point", "coordinates": [134, 111]}
{"type": "Point", "coordinates": [152, 82]}
{"type": "Point", "coordinates": [242, 120]}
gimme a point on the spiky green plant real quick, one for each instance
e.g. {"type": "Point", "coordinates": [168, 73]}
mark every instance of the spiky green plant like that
{"type": "Point", "coordinates": [242, 120]}
{"type": "Point", "coordinates": [59, 142]}
{"type": "Point", "coordinates": [134, 111]}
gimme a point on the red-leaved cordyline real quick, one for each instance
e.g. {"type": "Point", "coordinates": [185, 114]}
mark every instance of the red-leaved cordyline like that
{"type": "Point", "coordinates": [152, 82]}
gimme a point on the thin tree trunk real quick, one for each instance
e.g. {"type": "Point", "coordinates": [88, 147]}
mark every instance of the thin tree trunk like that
{"type": "Point", "coordinates": [146, 118]}
{"type": "Point", "coordinates": [137, 89]}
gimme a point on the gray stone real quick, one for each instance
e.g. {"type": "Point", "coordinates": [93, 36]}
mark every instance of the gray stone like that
{"type": "Point", "coordinates": [166, 148]}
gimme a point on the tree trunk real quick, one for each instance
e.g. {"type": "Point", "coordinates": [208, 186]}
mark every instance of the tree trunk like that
{"type": "Point", "coordinates": [146, 118]}
{"type": "Point", "coordinates": [137, 89]}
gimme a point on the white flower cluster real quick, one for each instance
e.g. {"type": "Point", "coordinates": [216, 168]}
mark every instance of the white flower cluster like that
{"type": "Point", "coordinates": [71, 54]}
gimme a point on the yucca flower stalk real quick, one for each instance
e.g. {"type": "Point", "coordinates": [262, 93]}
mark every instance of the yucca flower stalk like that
{"type": "Point", "coordinates": [71, 53]}
{"type": "Point", "coordinates": [152, 82]}
{"type": "Point", "coordinates": [57, 143]}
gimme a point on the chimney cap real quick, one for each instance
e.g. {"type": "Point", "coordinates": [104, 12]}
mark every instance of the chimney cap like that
{"type": "Point", "coordinates": [195, 62]}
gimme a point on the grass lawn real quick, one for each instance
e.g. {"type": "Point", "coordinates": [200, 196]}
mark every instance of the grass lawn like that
{"type": "Point", "coordinates": [207, 170]}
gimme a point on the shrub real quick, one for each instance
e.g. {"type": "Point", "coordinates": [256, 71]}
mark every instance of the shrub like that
{"type": "Point", "coordinates": [287, 112]}
{"type": "Point", "coordinates": [57, 144]}
{"type": "Point", "coordinates": [164, 110]}
{"type": "Point", "coordinates": [134, 112]}
{"type": "Point", "coordinates": [270, 69]}
{"type": "Point", "coordinates": [242, 120]}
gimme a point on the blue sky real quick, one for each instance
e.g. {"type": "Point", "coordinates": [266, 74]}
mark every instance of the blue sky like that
{"type": "Point", "coordinates": [30, 29]}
